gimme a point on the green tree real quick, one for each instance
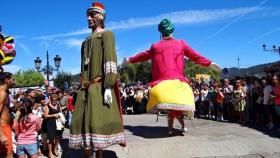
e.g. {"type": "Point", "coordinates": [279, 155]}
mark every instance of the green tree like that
{"type": "Point", "coordinates": [25, 78]}
{"type": "Point", "coordinates": [61, 78]}
{"type": "Point", "coordinates": [126, 71]}
{"type": "Point", "coordinates": [135, 72]}
{"type": "Point", "coordinates": [142, 71]}
{"type": "Point", "coordinates": [191, 69]}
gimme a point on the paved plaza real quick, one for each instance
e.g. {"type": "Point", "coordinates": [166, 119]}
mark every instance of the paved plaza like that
{"type": "Point", "coordinates": [147, 138]}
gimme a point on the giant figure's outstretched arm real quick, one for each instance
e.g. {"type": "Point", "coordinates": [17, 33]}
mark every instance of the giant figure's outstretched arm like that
{"type": "Point", "coordinates": [198, 58]}
{"type": "Point", "coordinates": [140, 57]}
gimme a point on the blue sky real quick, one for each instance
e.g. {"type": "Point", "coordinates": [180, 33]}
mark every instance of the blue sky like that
{"type": "Point", "coordinates": [221, 30]}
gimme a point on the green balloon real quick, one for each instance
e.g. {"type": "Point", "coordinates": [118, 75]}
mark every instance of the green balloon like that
{"type": "Point", "coordinates": [165, 27]}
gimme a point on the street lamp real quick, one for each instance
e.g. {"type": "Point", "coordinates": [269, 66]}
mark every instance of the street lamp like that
{"type": "Point", "coordinates": [57, 61]}
{"type": "Point", "coordinates": [274, 49]}
{"type": "Point", "coordinates": [48, 69]}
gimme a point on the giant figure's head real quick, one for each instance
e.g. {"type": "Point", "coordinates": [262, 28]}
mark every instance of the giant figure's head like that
{"type": "Point", "coordinates": [96, 15]}
{"type": "Point", "coordinates": [165, 27]}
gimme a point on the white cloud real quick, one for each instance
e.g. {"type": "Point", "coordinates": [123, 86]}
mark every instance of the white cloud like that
{"type": "Point", "coordinates": [73, 42]}
{"type": "Point", "coordinates": [51, 37]}
{"type": "Point", "coordinates": [188, 17]}
{"type": "Point", "coordinates": [249, 10]}
{"type": "Point", "coordinates": [25, 48]}
{"type": "Point", "coordinates": [12, 68]}
{"type": "Point", "coordinates": [183, 17]}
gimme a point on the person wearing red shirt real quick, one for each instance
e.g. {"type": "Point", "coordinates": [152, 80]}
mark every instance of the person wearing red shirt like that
{"type": "Point", "coordinates": [70, 108]}
{"type": "Point", "coordinates": [276, 94]}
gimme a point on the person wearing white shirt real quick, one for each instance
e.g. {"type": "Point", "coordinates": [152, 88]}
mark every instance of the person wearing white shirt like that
{"type": "Point", "coordinates": [228, 107]}
{"type": "Point", "coordinates": [267, 102]}
{"type": "Point", "coordinates": [205, 100]}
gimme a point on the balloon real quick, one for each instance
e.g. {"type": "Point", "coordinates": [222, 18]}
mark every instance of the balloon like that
{"type": "Point", "coordinates": [7, 51]}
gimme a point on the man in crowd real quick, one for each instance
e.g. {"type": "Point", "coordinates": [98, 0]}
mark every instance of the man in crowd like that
{"type": "Point", "coordinates": [228, 107]}
{"type": "Point", "coordinates": [6, 144]}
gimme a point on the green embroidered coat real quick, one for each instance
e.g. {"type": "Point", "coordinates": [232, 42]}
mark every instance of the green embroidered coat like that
{"type": "Point", "coordinates": [94, 123]}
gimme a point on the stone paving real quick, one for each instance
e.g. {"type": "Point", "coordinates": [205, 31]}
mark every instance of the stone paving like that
{"type": "Point", "coordinates": [147, 138]}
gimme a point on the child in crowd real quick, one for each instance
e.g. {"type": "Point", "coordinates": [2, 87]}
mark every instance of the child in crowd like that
{"type": "Point", "coordinates": [219, 102]}
{"type": "Point", "coordinates": [26, 126]}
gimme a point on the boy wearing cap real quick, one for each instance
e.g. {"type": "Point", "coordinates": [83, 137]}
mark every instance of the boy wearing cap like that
{"type": "Point", "coordinates": [97, 121]}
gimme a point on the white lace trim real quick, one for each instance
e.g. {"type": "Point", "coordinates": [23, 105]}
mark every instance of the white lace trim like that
{"type": "Point", "coordinates": [96, 140]}
{"type": "Point", "coordinates": [168, 106]}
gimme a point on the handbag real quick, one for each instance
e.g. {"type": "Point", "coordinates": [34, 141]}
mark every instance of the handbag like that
{"type": "Point", "coordinates": [59, 125]}
{"type": "Point", "coordinates": [60, 122]}
{"type": "Point", "coordinates": [62, 118]}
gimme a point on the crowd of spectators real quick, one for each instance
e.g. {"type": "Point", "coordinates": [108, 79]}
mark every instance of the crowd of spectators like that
{"type": "Point", "coordinates": [134, 98]}
{"type": "Point", "coordinates": [39, 118]}
{"type": "Point", "coordinates": [240, 100]}
{"type": "Point", "coordinates": [39, 114]}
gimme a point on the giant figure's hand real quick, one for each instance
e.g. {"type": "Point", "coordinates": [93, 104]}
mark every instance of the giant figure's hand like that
{"type": "Point", "coordinates": [215, 66]}
{"type": "Point", "coordinates": [108, 99]}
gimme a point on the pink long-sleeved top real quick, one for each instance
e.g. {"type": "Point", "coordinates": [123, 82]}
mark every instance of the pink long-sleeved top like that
{"type": "Point", "coordinates": [27, 132]}
{"type": "Point", "coordinates": [167, 58]}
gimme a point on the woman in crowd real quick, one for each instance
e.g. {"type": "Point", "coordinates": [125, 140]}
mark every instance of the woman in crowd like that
{"type": "Point", "coordinates": [267, 102]}
{"type": "Point", "coordinates": [239, 101]}
{"type": "Point", "coordinates": [205, 100]}
{"type": "Point", "coordinates": [53, 133]}
{"type": "Point", "coordinates": [257, 101]}
{"type": "Point", "coordinates": [196, 93]}
{"type": "Point", "coordinates": [219, 99]}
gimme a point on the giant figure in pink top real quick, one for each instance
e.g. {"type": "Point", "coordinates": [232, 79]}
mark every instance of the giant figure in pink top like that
{"type": "Point", "coordinates": [170, 90]}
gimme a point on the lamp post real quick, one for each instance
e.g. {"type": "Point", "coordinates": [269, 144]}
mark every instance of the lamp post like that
{"type": "Point", "coordinates": [275, 67]}
{"type": "Point", "coordinates": [48, 69]}
{"type": "Point", "coordinates": [238, 64]}
{"type": "Point", "coordinates": [238, 61]}
{"type": "Point", "coordinates": [274, 49]}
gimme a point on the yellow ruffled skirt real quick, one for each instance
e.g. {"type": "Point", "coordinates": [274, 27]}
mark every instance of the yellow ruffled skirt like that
{"type": "Point", "coordinates": [171, 95]}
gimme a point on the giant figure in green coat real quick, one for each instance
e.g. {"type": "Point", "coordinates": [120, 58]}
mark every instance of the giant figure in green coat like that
{"type": "Point", "coordinates": [97, 121]}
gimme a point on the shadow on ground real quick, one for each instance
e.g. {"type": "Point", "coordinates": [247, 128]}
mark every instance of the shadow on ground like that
{"type": "Point", "coordinates": [262, 128]}
{"type": "Point", "coordinates": [79, 153]}
{"type": "Point", "coordinates": [151, 131]}
{"type": "Point", "coordinates": [258, 127]}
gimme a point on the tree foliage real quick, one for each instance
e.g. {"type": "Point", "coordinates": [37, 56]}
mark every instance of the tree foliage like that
{"type": "Point", "coordinates": [135, 72]}
{"type": "Point", "coordinates": [191, 69]}
{"type": "Point", "coordinates": [142, 71]}
{"type": "Point", "coordinates": [61, 78]}
{"type": "Point", "coordinates": [25, 78]}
